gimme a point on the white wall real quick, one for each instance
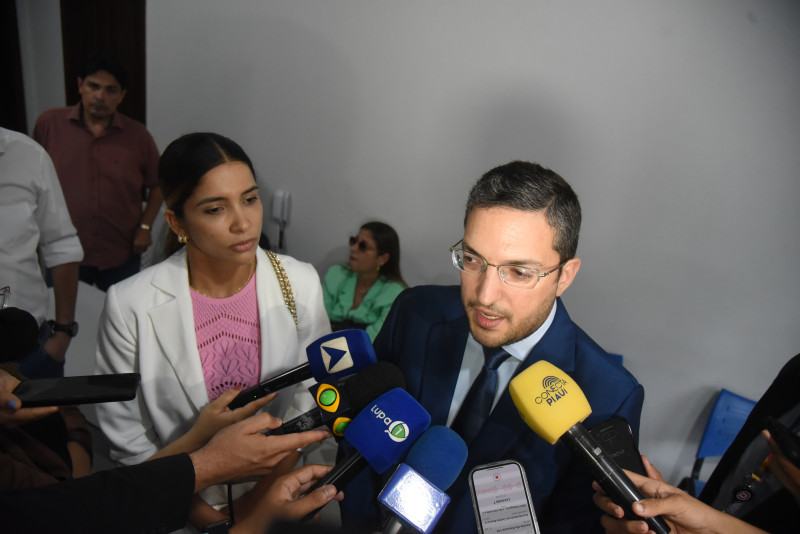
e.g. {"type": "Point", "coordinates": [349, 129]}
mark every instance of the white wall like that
{"type": "Point", "coordinates": [42, 57]}
{"type": "Point", "coordinates": [677, 123]}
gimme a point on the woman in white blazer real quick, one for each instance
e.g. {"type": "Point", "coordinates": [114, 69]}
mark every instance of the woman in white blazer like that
{"type": "Point", "coordinates": [149, 321]}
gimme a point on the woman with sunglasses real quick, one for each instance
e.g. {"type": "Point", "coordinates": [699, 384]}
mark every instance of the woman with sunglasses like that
{"type": "Point", "coordinates": [360, 293]}
{"type": "Point", "coordinates": [218, 313]}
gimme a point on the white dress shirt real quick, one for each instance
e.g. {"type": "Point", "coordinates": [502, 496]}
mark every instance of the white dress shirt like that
{"type": "Point", "coordinates": [34, 220]}
{"type": "Point", "coordinates": [473, 361]}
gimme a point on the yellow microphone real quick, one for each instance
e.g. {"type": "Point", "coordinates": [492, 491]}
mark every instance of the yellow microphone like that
{"type": "Point", "coordinates": [553, 405]}
{"type": "Point", "coordinates": [548, 400]}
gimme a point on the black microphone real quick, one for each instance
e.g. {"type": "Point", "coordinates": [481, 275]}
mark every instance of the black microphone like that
{"type": "Point", "coordinates": [337, 354]}
{"type": "Point", "coordinates": [19, 333]}
{"type": "Point", "coordinates": [338, 403]}
{"type": "Point", "coordinates": [553, 405]}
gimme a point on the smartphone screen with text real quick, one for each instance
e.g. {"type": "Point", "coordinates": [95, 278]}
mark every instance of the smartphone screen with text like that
{"type": "Point", "coordinates": [502, 500]}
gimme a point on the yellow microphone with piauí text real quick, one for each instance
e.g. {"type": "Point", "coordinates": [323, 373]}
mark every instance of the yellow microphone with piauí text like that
{"type": "Point", "coordinates": [553, 405]}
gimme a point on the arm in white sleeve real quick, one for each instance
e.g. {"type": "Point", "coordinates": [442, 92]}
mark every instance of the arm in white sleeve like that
{"type": "Point", "coordinates": [58, 239]}
{"type": "Point", "coordinates": [127, 425]}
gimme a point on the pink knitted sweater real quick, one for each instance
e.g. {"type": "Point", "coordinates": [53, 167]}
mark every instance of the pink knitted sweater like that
{"type": "Point", "coordinates": [229, 339]}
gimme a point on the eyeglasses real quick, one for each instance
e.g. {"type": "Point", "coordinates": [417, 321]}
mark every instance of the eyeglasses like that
{"type": "Point", "coordinates": [511, 275]}
{"type": "Point", "coordinates": [5, 296]}
{"type": "Point", "coordinates": [363, 246]}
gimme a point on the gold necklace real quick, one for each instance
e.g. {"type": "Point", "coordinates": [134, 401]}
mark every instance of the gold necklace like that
{"type": "Point", "coordinates": [249, 276]}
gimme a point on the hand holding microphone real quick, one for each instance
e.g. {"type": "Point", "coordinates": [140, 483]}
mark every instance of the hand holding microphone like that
{"type": "Point", "coordinates": [334, 355]}
{"type": "Point", "coordinates": [553, 405]}
{"type": "Point", "coordinates": [338, 403]}
{"type": "Point", "coordinates": [686, 514]}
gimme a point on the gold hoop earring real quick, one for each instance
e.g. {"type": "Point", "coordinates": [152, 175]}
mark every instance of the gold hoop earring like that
{"type": "Point", "coordinates": [379, 267]}
{"type": "Point", "coordinates": [183, 239]}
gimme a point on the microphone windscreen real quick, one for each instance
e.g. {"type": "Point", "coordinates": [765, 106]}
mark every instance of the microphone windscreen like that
{"type": "Point", "coordinates": [339, 354]}
{"type": "Point", "coordinates": [386, 428]}
{"type": "Point", "coordinates": [438, 455]}
{"type": "Point", "coordinates": [416, 503]}
{"type": "Point", "coordinates": [19, 333]}
{"type": "Point", "coordinates": [366, 385]}
{"type": "Point", "coordinates": [548, 400]}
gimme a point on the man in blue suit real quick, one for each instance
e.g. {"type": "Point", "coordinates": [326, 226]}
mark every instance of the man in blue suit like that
{"type": "Point", "coordinates": [517, 257]}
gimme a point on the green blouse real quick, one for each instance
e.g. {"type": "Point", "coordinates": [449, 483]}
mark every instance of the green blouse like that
{"type": "Point", "coordinates": [339, 289]}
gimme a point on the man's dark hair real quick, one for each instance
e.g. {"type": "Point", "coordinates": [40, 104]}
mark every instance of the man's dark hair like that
{"type": "Point", "coordinates": [109, 62]}
{"type": "Point", "coordinates": [528, 186]}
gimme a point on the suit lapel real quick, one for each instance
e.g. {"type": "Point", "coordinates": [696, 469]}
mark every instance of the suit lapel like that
{"type": "Point", "coordinates": [173, 326]}
{"type": "Point", "coordinates": [438, 379]}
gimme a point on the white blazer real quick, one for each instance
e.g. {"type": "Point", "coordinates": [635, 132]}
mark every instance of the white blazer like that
{"type": "Point", "coordinates": [147, 326]}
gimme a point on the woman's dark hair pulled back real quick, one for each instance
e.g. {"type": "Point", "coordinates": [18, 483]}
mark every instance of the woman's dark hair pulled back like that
{"type": "Point", "coordinates": [387, 241]}
{"type": "Point", "coordinates": [184, 162]}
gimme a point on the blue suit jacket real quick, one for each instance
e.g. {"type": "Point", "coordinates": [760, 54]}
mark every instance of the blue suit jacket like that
{"type": "Point", "coordinates": [425, 335]}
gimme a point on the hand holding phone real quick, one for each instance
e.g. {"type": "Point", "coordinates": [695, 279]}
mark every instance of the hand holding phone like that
{"type": "Point", "coordinates": [10, 414]}
{"type": "Point", "coordinates": [71, 390]}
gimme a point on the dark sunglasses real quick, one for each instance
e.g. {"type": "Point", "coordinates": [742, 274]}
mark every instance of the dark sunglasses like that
{"type": "Point", "coordinates": [363, 246]}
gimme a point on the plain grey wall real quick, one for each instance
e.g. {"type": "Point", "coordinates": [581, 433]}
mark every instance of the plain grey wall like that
{"type": "Point", "coordinates": [677, 123]}
{"type": "Point", "coordinates": [39, 24]}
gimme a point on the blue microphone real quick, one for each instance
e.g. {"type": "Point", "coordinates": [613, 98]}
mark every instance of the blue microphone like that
{"type": "Point", "coordinates": [335, 355]}
{"type": "Point", "coordinates": [385, 429]}
{"type": "Point", "coordinates": [415, 494]}
{"type": "Point", "coordinates": [381, 434]}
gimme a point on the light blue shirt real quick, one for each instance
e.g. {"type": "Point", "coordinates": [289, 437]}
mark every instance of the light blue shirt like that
{"type": "Point", "coordinates": [473, 360]}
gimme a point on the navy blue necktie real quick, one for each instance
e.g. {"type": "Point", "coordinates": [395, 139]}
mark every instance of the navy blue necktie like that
{"type": "Point", "coordinates": [475, 409]}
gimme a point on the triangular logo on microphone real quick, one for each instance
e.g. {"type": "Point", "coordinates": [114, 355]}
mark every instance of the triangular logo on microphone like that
{"type": "Point", "coordinates": [336, 355]}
